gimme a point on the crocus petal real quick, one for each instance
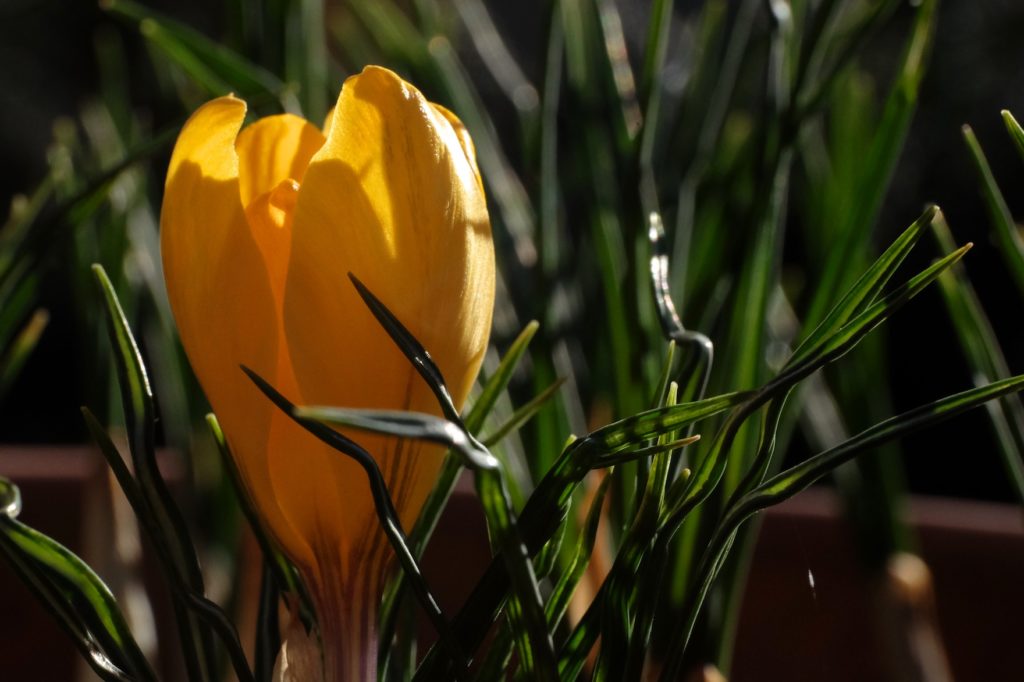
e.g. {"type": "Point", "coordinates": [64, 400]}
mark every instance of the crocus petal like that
{"type": "Point", "coordinates": [274, 149]}
{"type": "Point", "coordinates": [258, 234]}
{"type": "Point", "coordinates": [220, 292]}
{"type": "Point", "coordinates": [393, 197]}
{"type": "Point", "coordinates": [465, 140]}
{"type": "Point", "coordinates": [273, 154]}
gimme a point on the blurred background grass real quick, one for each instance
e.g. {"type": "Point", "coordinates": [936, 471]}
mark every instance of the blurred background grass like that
{"type": "Point", "coordinates": [59, 56]}
{"type": "Point", "coordinates": [561, 125]}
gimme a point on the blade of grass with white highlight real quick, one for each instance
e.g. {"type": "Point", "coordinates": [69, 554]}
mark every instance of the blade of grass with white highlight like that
{"type": "Point", "coordinates": [73, 593]}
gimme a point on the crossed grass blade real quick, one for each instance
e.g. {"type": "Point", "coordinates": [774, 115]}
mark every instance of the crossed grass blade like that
{"type": "Point", "coordinates": [687, 494]}
{"type": "Point", "coordinates": [447, 477]}
{"type": "Point", "coordinates": [548, 505]}
{"type": "Point", "coordinates": [490, 488]}
{"type": "Point", "coordinates": [383, 506]}
{"type": "Point", "coordinates": [799, 477]}
{"type": "Point", "coordinates": [533, 641]}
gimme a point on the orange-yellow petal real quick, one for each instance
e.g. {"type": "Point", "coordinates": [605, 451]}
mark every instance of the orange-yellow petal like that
{"type": "Point", "coordinates": [464, 138]}
{"type": "Point", "coordinates": [273, 154]}
{"type": "Point", "coordinates": [274, 149]}
{"type": "Point", "coordinates": [220, 292]}
{"type": "Point", "coordinates": [394, 198]}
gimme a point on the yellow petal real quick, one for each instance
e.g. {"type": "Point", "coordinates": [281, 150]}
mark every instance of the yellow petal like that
{"type": "Point", "coordinates": [273, 154]}
{"type": "Point", "coordinates": [274, 149]}
{"type": "Point", "coordinates": [221, 295]}
{"type": "Point", "coordinates": [464, 138]}
{"type": "Point", "coordinates": [393, 197]}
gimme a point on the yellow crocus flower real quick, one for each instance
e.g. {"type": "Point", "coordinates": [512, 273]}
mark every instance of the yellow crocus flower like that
{"type": "Point", "coordinates": [258, 232]}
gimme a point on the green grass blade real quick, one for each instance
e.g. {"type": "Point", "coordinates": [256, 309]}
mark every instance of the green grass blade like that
{"type": "Point", "coordinates": [449, 473]}
{"type": "Point", "coordinates": [522, 415]}
{"type": "Point", "coordinates": [399, 423]}
{"type": "Point", "coordinates": [866, 289]}
{"type": "Point", "coordinates": [283, 572]}
{"type": "Point", "coordinates": [634, 430]}
{"type": "Point", "coordinates": [411, 348]}
{"type": "Point", "coordinates": [129, 486]}
{"type": "Point", "coordinates": [140, 419]}
{"type": "Point", "coordinates": [843, 339]}
{"type": "Point", "coordinates": [689, 494]}
{"type": "Point", "coordinates": [497, 58]}
{"type": "Point", "coordinates": [985, 358]}
{"type": "Point", "coordinates": [657, 47]}
{"type": "Point", "coordinates": [497, 664]}
{"type": "Point", "coordinates": [561, 594]}
{"type": "Point", "coordinates": [1016, 132]}
{"type": "Point", "coordinates": [306, 58]}
{"type": "Point", "coordinates": [548, 504]}
{"type": "Point", "coordinates": [851, 40]}
{"type": "Point", "coordinates": [209, 612]}
{"type": "Point", "coordinates": [21, 349]}
{"type": "Point", "coordinates": [551, 237]}
{"type": "Point", "coordinates": [1009, 239]}
{"type": "Point", "coordinates": [498, 382]}
{"type": "Point", "coordinates": [18, 296]}
{"type": "Point", "coordinates": [534, 646]}
{"type": "Point", "coordinates": [622, 630]}
{"type": "Point", "coordinates": [23, 215]}
{"type": "Point", "coordinates": [214, 67]}
{"type": "Point", "coordinates": [525, 608]}
{"type": "Point", "coordinates": [618, 71]}
{"type": "Point", "coordinates": [268, 627]}
{"type": "Point", "coordinates": [799, 477]}
{"type": "Point", "coordinates": [84, 591]}
{"type": "Point", "coordinates": [420, 535]}
{"type": "Point", "coordinates": [50, 597]}
{"type": "Point", "coordinates": [881, 157]}
{"type": "Point", "coordinates": [415, 425]}
{"type": "Point", "coordinates": [182, 564]}
{"type": "Point", "coordinates": [474, 420]}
